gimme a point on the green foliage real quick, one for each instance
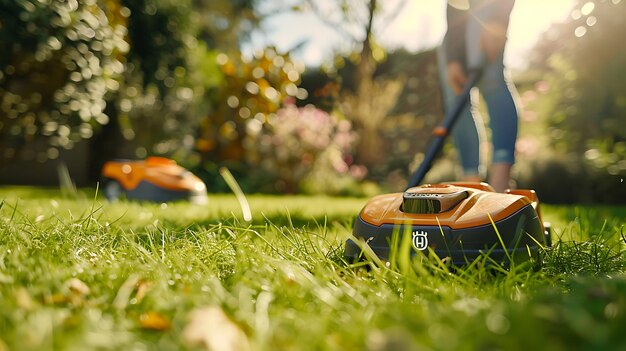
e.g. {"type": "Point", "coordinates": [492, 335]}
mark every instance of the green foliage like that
{"type": "Point", "coordinates": [224, 24]}
{"type": "Point", "coordinates": [570, 179]}
{"type": "Point", "coordinates": [173, 72]}
{"type": "Point", "coordinates": [159, 32]}
{"type": "Point", "coordinates": [154, 107]}
{"type": "Point", "coordinates": [269, 143]}
{"type": "Point", "coordinates": [407, 129]}
{"type": "Point", "coordinates": [60, 61]}
{"type": "Point", "coordinates": [573, 140]}
{"type": "Point", "coordinates": [583, 93]}
{"type": "Point", "coordinates": [139, 68]}
{"type": "Point", "coordinates": [250, 93]}
{"type": "Point", "coordinates": [393, 114]}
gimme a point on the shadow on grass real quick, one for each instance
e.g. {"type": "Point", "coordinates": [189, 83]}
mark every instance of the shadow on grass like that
{"type": "Point", "coordinates": [292, 221]}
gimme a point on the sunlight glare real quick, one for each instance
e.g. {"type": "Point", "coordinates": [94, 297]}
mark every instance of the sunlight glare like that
{"type": "Point", "coordinates": [529, 21]}
{"type": "Point", "coordinates": [591, 21]}
{"type": "Point", "coordinates": [587, 8]}
{"type": "Point", "coordinates": [419, 26]}
{"type": "Point", "coordinates": [580, 31]}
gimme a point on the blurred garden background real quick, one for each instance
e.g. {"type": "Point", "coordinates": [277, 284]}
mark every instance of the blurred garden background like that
{"type": "Point", "coordinates": [214, 83]}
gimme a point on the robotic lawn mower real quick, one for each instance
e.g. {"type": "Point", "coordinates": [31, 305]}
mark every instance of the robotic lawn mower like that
{"type": "Point", "coordinates": [460, 221]}
{"type": "Point", "coordinates": [155, 179]}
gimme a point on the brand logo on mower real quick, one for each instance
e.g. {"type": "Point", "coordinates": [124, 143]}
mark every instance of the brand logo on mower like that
{"type": "Point", "coordinates": [420, 240]}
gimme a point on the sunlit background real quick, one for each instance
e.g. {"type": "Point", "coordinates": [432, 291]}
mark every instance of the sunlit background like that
{"type": "Point", "coordinates": [297, 95]}
{"type": "Point", "coordinates": [419, 25]}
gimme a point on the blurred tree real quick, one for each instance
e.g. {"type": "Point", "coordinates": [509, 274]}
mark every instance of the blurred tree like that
{"type": "Point", "coordinates": [364, 101]}
{"type": "Point", "coordinates": [60, 61]}
{"type": "Point", "coordinates": [147, 112]}
{"type": "Point", "coordinates": [172, 70]}
{"type": "Point", "coordinates": [129, 75]}
{"type": "Point", "coordinates": [580, 93]}
{"type": "Point", "coordinates": [224, 24]}
{"type": "Point", "coordinates": [358, 22]}
{"type": "Point", "coordinates": [408, 106]}
{"type": "Point", "coordinates": [584, 93]}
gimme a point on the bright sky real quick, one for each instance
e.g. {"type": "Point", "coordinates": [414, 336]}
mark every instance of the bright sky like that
{"type": "Point", "coordinates": [420, 25]}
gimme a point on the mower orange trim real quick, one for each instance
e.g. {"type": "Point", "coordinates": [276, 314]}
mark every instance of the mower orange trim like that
{"type": "Point", "coordinates": [473, 212]}
{"type": "Point", "coordinates": [531, 195]}
{"type": "Point", "coordinates": [128, 174]}
{"type": "Point", "coordinates": [159, 171]}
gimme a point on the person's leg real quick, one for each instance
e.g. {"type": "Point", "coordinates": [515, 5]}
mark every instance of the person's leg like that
{"type": "Point", "coordinates": [500, 176]}
{"type": "Point", "coordinates": [503, 122]}
{"type": "Point", "coordinates": [497, 93]}
{"type": "Point", "coordinates": [464, 132]}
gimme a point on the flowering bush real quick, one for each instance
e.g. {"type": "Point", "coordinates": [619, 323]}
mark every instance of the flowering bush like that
{"type": "Point", "coordinates": [297, 144]}
{"type": "Point", "coordinates": [248, 90]}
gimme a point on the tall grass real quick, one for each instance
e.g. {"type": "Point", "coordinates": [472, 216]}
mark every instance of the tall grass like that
{"type": "Point", "coordinates": [79, 273]}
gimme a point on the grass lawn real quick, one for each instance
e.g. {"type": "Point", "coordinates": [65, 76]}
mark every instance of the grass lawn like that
{"type": "Point", "coordinates": [80, 273]}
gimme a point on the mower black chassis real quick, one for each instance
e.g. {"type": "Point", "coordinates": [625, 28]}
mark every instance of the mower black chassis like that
{"type": "Point", "coordinates": [511, 241]}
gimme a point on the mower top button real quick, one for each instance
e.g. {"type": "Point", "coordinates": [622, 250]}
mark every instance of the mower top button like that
{"type": "Point", "coordinates": [426, 202]}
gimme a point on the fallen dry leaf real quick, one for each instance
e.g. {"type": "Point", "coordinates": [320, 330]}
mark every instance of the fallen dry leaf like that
{"type": "Point", "coordinates": [23, 299]}
{"type": "Point", "coordinates": [154, 321]}
{"type": "Point", "coordinates": [55, 299]}
{"type": "Point", "coordinates": [76, 294]}
{"type": "Point", "coordinates": [6, 279]}
{"type": "Point", "coordinates": [78, 291]}
{"type": "Point", "coordinates": [143, 286]}
{"type": "Point", "coordinates": [77, 287]}
{"type": "Point", "coordinates": [211, 328]}
{"type": "Point", "coordinates": [135, 284]}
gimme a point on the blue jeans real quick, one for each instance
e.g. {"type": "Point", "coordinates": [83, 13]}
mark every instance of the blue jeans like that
{"type": "Point", "coordinates": [497, 92]}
